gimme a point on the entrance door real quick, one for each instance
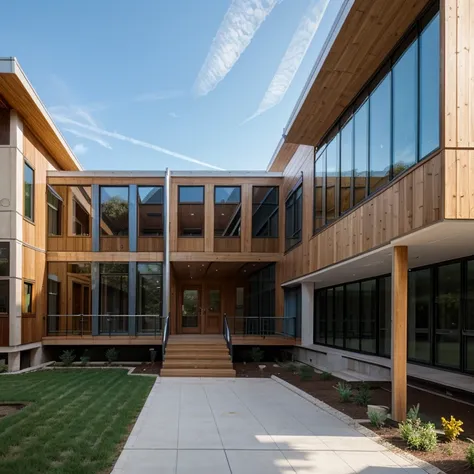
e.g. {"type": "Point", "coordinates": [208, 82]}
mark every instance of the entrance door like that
{"type": "Point", "coordinates": [213, 309]}
{"type": "Point", "coordinates": [191, 310]}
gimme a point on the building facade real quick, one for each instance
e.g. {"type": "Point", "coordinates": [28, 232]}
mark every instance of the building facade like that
{"type": "Point", "coordinates": [355, 246]}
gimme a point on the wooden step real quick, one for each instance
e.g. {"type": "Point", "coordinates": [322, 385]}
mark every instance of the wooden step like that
{"type": "Point", "coordinates": [197, 364]}
{"type": "Point", "coordinates": [197, 372]}
{"type": "Point", "coordinates": [195, 348]}
{"type": "Point", "coordinates": [189, 355]}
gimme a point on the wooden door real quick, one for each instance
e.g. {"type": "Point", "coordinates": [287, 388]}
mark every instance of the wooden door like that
{"type": "Point", "coordinates": [213, 308]}
{"type": "Point", "coordinates": [191, 310]}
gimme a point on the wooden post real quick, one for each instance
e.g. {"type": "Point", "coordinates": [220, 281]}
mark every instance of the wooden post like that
{"type": "Point", "coordinates": [399, 332]}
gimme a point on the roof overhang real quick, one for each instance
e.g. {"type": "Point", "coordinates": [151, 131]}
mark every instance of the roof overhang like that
{"type": "Point", "coordinates": [20, 95]}
{"type": "Point", "coordinates": [363, 34]}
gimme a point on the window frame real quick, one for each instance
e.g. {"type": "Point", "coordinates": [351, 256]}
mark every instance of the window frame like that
{"type": "Point", "coordinates": [203, 204]}
{"type": "Point", "coordinates": [148, 204]}
{"type": "Point", "coordinates": [276, 211]}
{"type": "Point", "coordinates": [59, 211]}
{"type": "Point", "coordinates": [31, 218]}
{"type": "Point", "coordinates": [293, 195]}
{"type": "Point", "coordinates": [238, 208]}
{"type": "Point", "coordinates": [101, 187]}
{"type": "Point", "coordinates": [24, 308]}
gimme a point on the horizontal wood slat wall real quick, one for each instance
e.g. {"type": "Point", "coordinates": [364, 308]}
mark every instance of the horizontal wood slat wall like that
{"type": "Point", "coordinates": [265, 244]}
{"type": "Point", "coordinates": [114, 244]}
{"type": "Point", "coordinates": [150, 244]}
{"type": "Point", "coordinates": [105, 256]}
{"type": "Point", "coordinates": [227, 244]}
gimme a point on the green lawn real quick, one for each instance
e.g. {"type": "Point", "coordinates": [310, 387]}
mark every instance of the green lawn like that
{"type": "Point", "coordinates": [74, 422]}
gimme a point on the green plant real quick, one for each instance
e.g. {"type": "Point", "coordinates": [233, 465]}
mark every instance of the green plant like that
{"type": "Point", "coordinates": [325, 375]}
{"type": "Point", "coordinates": [377, 418]}
{"type": "Point", "coordinates": [362, 397]}
{"type": "Point", "coordinates": [256, 354]}
{"type": "Point", "coordinates": [3, 367]}
{"type": "Point", "coordinates": [345, 391]}
{"type": "Point", "coordinates": [470, 456]}
{"type": "Point", "coordinates": [152, 355]}
{"type": "Point", "coordinates": [111, 354]}
{"type": "Point", "coordinates": [306, 372]}
{"type": "Point", "coordinates": [452, 428]}
{"type": "Point", "coordinates": [85, 358]}
{"type": "Point", "coordinates": [418, 436]}
{"type": "Point", "coordinates": [67, 357]}
{"type": "Point", "coordinates": [413, 412]}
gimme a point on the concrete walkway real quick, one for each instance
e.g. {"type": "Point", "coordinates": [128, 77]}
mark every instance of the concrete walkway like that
{"type": "Point", "coordinates": [246, 426]}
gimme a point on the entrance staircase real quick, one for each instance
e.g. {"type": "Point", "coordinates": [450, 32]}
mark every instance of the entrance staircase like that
{"type": "Point", "coordinates": [197, 356]}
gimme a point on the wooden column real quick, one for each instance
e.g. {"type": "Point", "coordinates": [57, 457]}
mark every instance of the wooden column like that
{"type": "Point", "coordinates": [246, 218]}
{"type": "Point", "coordinates": [209, 218]}
{"type": "Point", "coordinates": [399, 332]}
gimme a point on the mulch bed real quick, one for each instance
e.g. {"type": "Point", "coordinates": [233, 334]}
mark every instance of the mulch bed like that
{"type": "Point", "coordinates": [449, 457]}
{"type": "Point", "coordinates": [148, 368]}
{"type": "Point", "coordinates": [10, 408]}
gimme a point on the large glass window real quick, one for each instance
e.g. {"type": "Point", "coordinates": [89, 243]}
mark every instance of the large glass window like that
{"type": "Point", "coordinates": [150, 211]}
{"type": "Point", "coordinates": [28, 191]}
{"type": "Point", "coordinates": [447, 331]}
{"type": "Point", "coordinates": [361, 152]}
{"type": "Point", "coordinates": [113, 210]}
{"type": "Point", "coordinates": [379, 135]}
{"type": "Point", "coordinates": [468, 328]}
{"type": "Point", "coordinates": [292, 311]}
{"type": "Point", "coordinates": [346, 173]}
{"type": "Point", "coordinates": [4, 296]}
{"type": "Point", "coordinates": [429, 87]}
{"type": "Point", "coordinates": [4, 258]}
{"type": "Point", "coordinates": [352, 316]}
{"type": "Point", "coordinates": [330, 316]}
{"type": "Point", "coordinates": [385, 315]}
{"type": "Point", "coordinates": [320, 316]}
{"type": "Point", "coordinates": [405, 110]}
{"type": "Point", "coordinates": [419, 315]}
{"type": "Point", "coordinates": [80, 202]}
{"type": "Point", "coordinates": [54, 212]}
{"type": "Point", "coordinates": [368, 316]}
{"type": "Point", "coordinates": [294, 217]}
{"type": "Point", "coordinates": [260, 298]}
{"type": "Point", "coordinates": [113, 297]}
{"type": "Point", "coordinates": [339, 316]}
{"type": "Point", "coordinates": [4, 126]}
{"type": "Point", "coordinates": [332, 170]}
{"type": "Point", "coordinates": [149, 297]}
{"type": "Point", "coordinates": [265, 211]}
{"type": "Point", "coordinates": [227, 211]}
{"type": "Point", "coordinates": [318, 189]}
{"type": "Point", "coordinates": [27, 297]}
{"type": "Point", "coordinates": [191, 211]}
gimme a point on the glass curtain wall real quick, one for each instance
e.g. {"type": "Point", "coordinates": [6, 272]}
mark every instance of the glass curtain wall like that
{"type": "Point", "coordinates": [149, 297]}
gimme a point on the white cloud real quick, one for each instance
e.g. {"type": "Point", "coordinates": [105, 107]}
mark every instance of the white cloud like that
{"type": "Point", "coordinates": [173, 115]}
{"type": "Point", "coordinates": [89, 136]}
{"type": "Point", "coordinates": [79, 149]}
{"type": "Point", "coordinates": [160, 95]}
{"type": "Point", "coordinates": [293, 57]}
{"type": "Point", "coordinates": [134, 141]}
{"type": "Point", "coordinates": [241, 21]}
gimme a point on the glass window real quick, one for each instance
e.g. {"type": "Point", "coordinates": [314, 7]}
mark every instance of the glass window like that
{"type": "Point", "coordinates": [191, 211]}
{"type": "Point", "coordinates": [292, 311]}
{"type": "Point", "coordinates": [385, 315]}
{"type": "Point", "coordinates": [227, 211]}
{"type": "Point", "coordinates": [448, 300]}
{"type": "Point", "coordinates": [80, 199]}
{"type": "Point", "coordinates": [352, 316]}
{"type": "Point", "coordinates": [4, 296]}
{"type": "Point", "coordinates": [339, 316]}
{"type": "Point", "coordinates": [53, 297]}
{"type": "Point", "coordinates": [260, 297]}
{"type": "Point", "coordinates": [239, 301]}
{"type": "Point", "coordinates": [4, 126]}
{"type": "Point", "coordinates": [346, 179]}
{"type": "Point", "coordinates": [429, 87]}
{"type": "Point", "coordinates": [405, 110]}
{"type": "Point", "coordinates": [332, 170]}
{"type": "Point", "coordinates": [368, 316]}
{"type": "Point", "coordinates": [150, 211]}
{"type": "Point", "coordinates": [419, 315]}
{"type": "Point", "coordinates": [4, 258]}
{"type": "Point", "coordinates": [113, 297]}
{"type": "Point", "coordinates": [27, 297]}
{"type": "Point", "coordinates": [361, 152]}
{"type": "Point", "coordinates": [265, 211]}
{"type": "Point", "coordinates": [320, 315]}
{"type": "Point", "coordinates": [214, 301]}
{"type": "Point", "coordinates": [293, 218]}
{"type": "Point", "coordinates": [469, 319]}
{"type": "Point", "coordinates": [28, 191]}
{"type": "Point", "coordinates": [149, 297]}
{"type": "Point", "coordinates": [113, 210]}
{"type": "Point", "coordinates": [318, 190]}
{"type": "Point", "coordinates": [330, 317]}
{"type": "Point", "coordinates": [379, 137]}
{"type": "Point", "coordinates": [54, 213]}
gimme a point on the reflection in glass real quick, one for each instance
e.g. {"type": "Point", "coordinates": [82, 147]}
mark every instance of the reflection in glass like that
{"type": "Point", "coordinates": [28, 191]}
{"type": "Point", "coordinates": [113, 297]}
{"type": "Point", "coordinates": [54, 212]}
{"type": "Point", "coordinates": [190, 309]}
{"type": "Point", "coordinates": [379, 137]}
{"type": "Point", "coordinates": [294, 218]}
{"type": "Point", "coordinates": [361, 152]}
{"type": "Point", "coordinates": [113, 210]}
{"type": "Point", "coordinates": [368, 316]}
{"type": "Point", "coordinates": [320, 317]}
{"type": "Point", "coordinates": [227, 211]}
{"type": "Point", "coordinates": [191, 211]}
{"type": "Point", "coordinates": [332, 169]}
{"type": "Point", "coordinates": [347, 148]}
{"type": "Point", "coordinates": [265, 211]}
{"type": "Point", "coordinates": [4, 296]}
{"type": "Point", "coordinates": [318, 190]}
{"type": "Point", "coordinates": [339, 316]}
{"type": "Point", "coordinates": [150, 210]}
{"type": "Point", "coordinates": [469, 318]}
{"type": "Point", "coordinates": [352, 316]}
{"type": "Point", "coordinates": [149, 297]}
{"type": "Point", "coordinates": [330, 316]}
{"type": "Point", "coordinates": [79, 199]}
{"type": "Point", "coordinates": [385, 315]}
{"type": "Point", "coordinates": [405, 87]}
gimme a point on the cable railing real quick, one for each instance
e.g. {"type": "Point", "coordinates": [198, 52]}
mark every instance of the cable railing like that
{"type": "Point", "coordinates": [165, 337]}
{"type": "Point", "coordinates": [81, 325]}
{"type": "Point", "coordinates": [227, 335]}
{"type": "Point", "coordinates": [264, 326]}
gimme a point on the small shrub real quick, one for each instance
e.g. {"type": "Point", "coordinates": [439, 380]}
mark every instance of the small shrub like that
{"type": "Point", "coordinates": [345, 391]}
{"type": "Point", "coordinates": [256, 354]}
{"type": "Point", "coordinates": [377, 418]}
{"type": "Point", "coordinates": [3, 367]}
{"type": "Point", "coordinates": [325, 375]}
{"type": "Point", "coordinates": [452, 428]}
{"type": "Point", "coordinates": [418, 436]}
{"type": "Point", "coordinates": [362, 397]}
{"type": "Point", "coordinates": [306, 372]}
{"type": "Point", "coordinates": [470, 456]}
{"type": "Point", "coordinates": [67, 357]}
{"type": "Point", "coordinates": [413, 412]}
{"type": "Point", "coordinates": [152, 355]}
{"type": "Point", "coordinates": [111, 354]}
{"type": "Point", "coordinates": [85, 358]}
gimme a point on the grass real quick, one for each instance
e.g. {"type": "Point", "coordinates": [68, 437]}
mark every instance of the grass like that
{"type": "Point", "coordinates": [74, 422]}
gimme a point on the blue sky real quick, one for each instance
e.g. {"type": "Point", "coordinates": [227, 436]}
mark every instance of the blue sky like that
{"type": "Point", "coordinates": [126, 79]}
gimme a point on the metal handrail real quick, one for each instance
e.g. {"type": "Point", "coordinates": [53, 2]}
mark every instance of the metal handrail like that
{"type": "Point", "coordinates": [227, 335]}
{"type": "Point", "coordinates": [165, 337]}
{"type": "Point", "coordinates": [264, 326]}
